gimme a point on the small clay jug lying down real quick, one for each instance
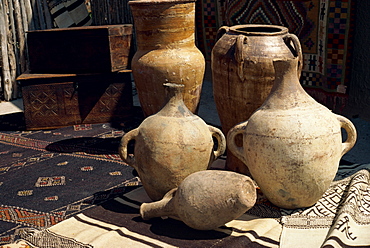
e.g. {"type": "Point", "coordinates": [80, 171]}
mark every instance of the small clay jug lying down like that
{"type": "Point", "coordinates": [205, 200]}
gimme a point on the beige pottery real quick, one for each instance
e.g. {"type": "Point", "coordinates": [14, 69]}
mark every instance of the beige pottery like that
{"type": "Point", "coordinates": [171, 145]}
{"type": "Point", "coordinates": [166, 52]}
{"type": "Point", "coordinates": [243, 74]}
{"type": "Point", "coordinates": [292, 145]}
{"type": "Point", "coordinates": [205, 200]}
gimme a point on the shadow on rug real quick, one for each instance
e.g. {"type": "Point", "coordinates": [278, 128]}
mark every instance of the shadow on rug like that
{"type": "Point", "coordinates": [47, 176]}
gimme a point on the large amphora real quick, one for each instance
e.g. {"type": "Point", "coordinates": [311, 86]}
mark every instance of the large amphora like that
{"type": "Point", "coordinates": [292, 145]}
{"type": "Point", "coordinates": [166, 52]}
{"type": "Point", "coordinates": [243, 73]}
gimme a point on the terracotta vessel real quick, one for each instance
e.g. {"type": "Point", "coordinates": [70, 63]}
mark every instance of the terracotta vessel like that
{"type": "Point", "coordinates": [171, 145]}
{"type": "Point", "coordinates": [205, 200]}
{"type": "Point", "coordinates": [243, 73]}
{"type": "Point", "coordinates": [166, 52]}
{"type": "Point", "coordinates": [292, 145]}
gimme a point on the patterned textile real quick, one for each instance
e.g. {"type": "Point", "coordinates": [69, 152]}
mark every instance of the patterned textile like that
{"type": "Point", "coordinates": [116, 224]}
{"type": "Point", "coordinates": [341, 218]}
{"type": "Point", "coordinates": [48, 176]}
{"type": "Point", "coordinates": [208, 20]}
{"type": "Point", "coordinates": [325, 29]}
{"type": "Point", "coordinates": [69, 13]}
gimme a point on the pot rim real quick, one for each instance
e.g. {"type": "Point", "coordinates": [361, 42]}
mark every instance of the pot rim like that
{"type": "Point", "coordinates": [144, 2]}
{"type": "Point", "coordinates": [274, 29]}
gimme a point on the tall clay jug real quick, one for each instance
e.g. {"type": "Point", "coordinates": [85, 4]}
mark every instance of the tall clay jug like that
{"type": "Point", "coordinates": [292, 145]}
{"type": "Point", "coordinates": [171, 145]}
{"type": "Point", "coordinates": [166, 52]}
{"type": "Point", "coordinates": [243, 74]}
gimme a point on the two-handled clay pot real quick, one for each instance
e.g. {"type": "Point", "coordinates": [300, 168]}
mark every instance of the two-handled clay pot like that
{"type": "Point", "coordinates": [292, 145]}
{"type": "Point", "coordinates": [243, 73]}
{"type": "Point", "coordinates": [171, 145]}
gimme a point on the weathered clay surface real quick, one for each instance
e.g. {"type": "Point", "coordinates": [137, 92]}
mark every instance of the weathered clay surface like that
{"type": "Point", "coordinates": [166, 52]}
{"type": "Point", "coordinates": [171, 145]}
{"type": "Point", "coordinates": [205, 200]}
{"type": "Point", "coordinates": [292, 144]}
{"type": "Point", "coordinates": [243, 73]}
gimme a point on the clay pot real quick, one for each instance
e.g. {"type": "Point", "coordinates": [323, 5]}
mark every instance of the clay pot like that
{"type": "Point", "coordinates": [166, 52]}
{"type": "Point", "coordinates": [292, 145]}
{"type": "Point", "coordinates": [243, 73]}
{"type": "Point", "coordinates": [171, 145]}
{"type": "Point", "coordinates": [205, 200]}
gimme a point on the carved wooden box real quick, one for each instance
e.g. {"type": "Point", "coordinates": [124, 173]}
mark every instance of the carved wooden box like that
{"type": "Point", "coordinates": [87, 49]}
{"type": "Point", "coordinates": [57, 100]}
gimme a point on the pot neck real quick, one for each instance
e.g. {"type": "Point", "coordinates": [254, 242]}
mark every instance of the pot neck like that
{"type": "Point", "coordinates": [174, 92]}
{"type": "Point", "coordinates": [287, 91]}
{"type": "Point", "coordinates": [175, 106]}
{"type": "Point", "coordinates": [258, 30]}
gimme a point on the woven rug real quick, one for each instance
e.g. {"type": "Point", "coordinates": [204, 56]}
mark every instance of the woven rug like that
{"type": "Point", "coordinates": [208, 19]}
{"type": "Point", "coordinates": [47, 176]}
{"type": "Point", "coordinates": [341, 218]}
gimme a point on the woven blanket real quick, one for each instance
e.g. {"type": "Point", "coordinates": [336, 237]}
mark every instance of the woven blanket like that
{"type": "Point", "coordinates": [69, 13]}
{"type": "Point", "coordinates": [209, 18]}
{"type": "Point", "coordinates": [341, 218]}
{"type": "Point", "coordinates": [48, 176]}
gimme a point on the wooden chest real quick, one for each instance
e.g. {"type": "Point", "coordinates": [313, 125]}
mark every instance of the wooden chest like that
{"type": "Point", "coordinates": [87, 49]}
{"type": "Point", "coordinates": [57, 100]}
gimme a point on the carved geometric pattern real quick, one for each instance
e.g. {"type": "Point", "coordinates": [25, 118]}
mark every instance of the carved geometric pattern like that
{"type": "Point", "coordinates": [109, 101]}
{"type": "Point", "coordinates": [44, 103]}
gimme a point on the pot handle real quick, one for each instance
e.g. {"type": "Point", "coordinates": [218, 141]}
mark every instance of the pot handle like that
{"type": "Point", "coordinates": [221, 141]}
{"type": "Point", "coordinates": [130, 160]}
{"type": "Point", "coordinates": [221, 31]}
{"type": "Point", "coordinates": [351, 133]}
{"type": "Point", "coordinates": [239, 54]}
{"type": "Point", "coordinates": [233, 132]}
{"type": "Point", "coordinates": [298, 49]}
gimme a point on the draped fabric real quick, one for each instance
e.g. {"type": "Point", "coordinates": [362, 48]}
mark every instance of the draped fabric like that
{"type": "Point", "coordinates": [69, 13]}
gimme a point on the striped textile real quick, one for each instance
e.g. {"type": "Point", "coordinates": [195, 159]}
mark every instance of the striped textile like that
{"type": "Point", "coordinates": [69, 13]}
{"type": "Point", "coordinates": [341, 218]}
